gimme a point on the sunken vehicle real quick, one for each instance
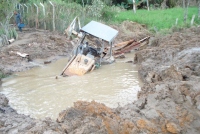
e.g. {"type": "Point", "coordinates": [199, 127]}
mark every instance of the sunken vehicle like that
{"type": "Point", "coordinates": [93, 49]}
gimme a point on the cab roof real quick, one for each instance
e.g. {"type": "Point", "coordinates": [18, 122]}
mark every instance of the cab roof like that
{"type": "Point", "coordinates": [100, 30]}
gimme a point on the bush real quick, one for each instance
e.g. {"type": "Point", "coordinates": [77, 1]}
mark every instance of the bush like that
{"type": "Point", "coordinates": [109, 13]}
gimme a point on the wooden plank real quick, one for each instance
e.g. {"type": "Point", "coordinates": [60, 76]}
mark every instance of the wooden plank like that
{"type": "Point", "coordinates": [130, 47]}
{"type": "Point", "coordinates": [123, 45]}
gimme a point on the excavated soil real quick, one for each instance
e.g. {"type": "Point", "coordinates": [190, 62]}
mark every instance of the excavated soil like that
{"type": "Point", "coordinates": [169, 101]}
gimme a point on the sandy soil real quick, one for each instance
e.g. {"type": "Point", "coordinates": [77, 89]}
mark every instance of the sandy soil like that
{"type": "Point", "coordinates": [169, 101]}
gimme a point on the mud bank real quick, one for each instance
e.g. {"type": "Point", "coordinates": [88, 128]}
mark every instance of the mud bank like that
{"type": "Point", "coordinates": [169, 101]}
{"type": "Point", "coordinates": [42, 47]}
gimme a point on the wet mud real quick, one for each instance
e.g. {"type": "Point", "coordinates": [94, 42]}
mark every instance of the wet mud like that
{"type": "Point", "coordinates": [169, 101]}
{"type": "Point", "coordinates": [42, 47]}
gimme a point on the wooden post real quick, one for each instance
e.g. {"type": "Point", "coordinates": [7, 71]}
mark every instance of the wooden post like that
{"type": "Point", "coordinates": [186, 9]}
{"type": "Point", "coordinates": [176, 22]}
{"type": "Point", "coordinates": [192, 21]}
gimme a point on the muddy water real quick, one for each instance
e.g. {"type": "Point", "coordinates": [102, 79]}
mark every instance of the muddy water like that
{"type": "Point", "coordinates": [37, 93]}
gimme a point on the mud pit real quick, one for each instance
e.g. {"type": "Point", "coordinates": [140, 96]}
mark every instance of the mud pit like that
{"type": "Point", "coordinates": [169, 101]}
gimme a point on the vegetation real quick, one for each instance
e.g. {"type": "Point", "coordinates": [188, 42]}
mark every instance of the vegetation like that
{"type": "Point", "coordinates": [2, 75]}
{"type": "Point", "coordinates": [6, 30]}
{"type": "Point", "coordinates": [159, 19]}
{"type": "Point", "coordinates": [59, 15]}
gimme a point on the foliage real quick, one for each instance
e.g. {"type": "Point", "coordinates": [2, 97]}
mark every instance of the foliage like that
{"type": "Point", "coordinates": [2, 75]}
{"type": "Point", "coordinates": [96, 8]}
{"type": "Point", "coordinates": [158, 19]}
{"type": "Point", "coordinates": [123, 5]}
{"type": "Point", "coordinates": [109, 13]}
{"type": "Point", "coordinates": [5, 9]}
{"type": "Point", "coordinates": [6, 12]}
{"type": "Point", "coordinates": [171, 3]}
{"type": "Point", "coordinates": [65, 12]}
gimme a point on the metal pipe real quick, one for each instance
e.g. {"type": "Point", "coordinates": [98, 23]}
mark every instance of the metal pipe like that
{"type": "Point", "coordinates": [53, 15]}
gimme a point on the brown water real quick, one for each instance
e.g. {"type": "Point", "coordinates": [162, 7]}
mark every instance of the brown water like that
{"type": "Point", "coordinates": [37, 93]}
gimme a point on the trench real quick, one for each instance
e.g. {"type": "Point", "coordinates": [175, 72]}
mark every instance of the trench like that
{"type": "Point", "coordinates": [38, 93]}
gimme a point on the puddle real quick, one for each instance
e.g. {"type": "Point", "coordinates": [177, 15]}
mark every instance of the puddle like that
{"type": "Point", "coordinates": [39, 94]}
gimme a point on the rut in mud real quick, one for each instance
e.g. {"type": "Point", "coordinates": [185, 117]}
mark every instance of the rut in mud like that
{"type": "Point", "coordinates": [169, 101]}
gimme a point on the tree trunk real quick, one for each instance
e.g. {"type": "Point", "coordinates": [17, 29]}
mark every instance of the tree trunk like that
{"type": "Point", "coordinates": [134, 8]}
{"type": "Point", "coordinates": [148, 5]}
{"type": "Point", "coordinates": [184, 8]}
{"type": "Point", "coordinates": [83, 3]}
{"type": "Point", "coordinates": [163, 4]}
{"type": "Point", "coordinates": [199, 11]}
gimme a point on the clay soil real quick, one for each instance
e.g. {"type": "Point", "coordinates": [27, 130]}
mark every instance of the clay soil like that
{"type": "Point", "coordinates": [169, 101]}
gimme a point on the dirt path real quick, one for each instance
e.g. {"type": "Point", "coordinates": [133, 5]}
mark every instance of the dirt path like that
{"type": "Point", "coordinates": [169, 101]}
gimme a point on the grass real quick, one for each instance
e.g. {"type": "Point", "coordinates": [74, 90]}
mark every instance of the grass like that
{"type": "Point", "coordinates": [2, 75]}
{"type": "Point", "coordinates": [159, 19]}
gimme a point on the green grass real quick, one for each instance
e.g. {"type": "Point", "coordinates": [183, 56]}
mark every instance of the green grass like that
{"type": "Point", "coordinates": [159, 19]}
{"type": "Point", "coordinates": [2, 75]}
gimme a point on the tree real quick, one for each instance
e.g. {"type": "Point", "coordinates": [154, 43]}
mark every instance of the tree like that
{"type": "Point", "coordinates": [148, 5]}
{"type": "Point", "coordinates": [134, 8]}
{"type": "Point", "coordinates": [199, 11]}
{"type": "Point", "coordinates": [163, 4]}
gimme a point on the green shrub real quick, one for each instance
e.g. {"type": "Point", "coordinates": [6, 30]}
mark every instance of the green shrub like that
{"type": "Point", "coordinates": [109, 13]}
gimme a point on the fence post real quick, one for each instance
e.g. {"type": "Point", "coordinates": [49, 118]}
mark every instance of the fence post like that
{"type": "Point", "coordinates": [36, 19]}
{"type": "Point", "coordinates": [31, 9]}
{"type": "Point", "coordinates": [43, 14]}
{"type": "Point", "coordinates": [176, 21]}
{"type": "Point", "coordinates": [53, 15]}
{"type": "Point", "coordinates": [20, 5]}
{"type": "Point", "coordinates": [26, 13]}
{"type": "Point", "coordinates": [26, 8]}
{"type": "Point", "coordinates": [192, 21]}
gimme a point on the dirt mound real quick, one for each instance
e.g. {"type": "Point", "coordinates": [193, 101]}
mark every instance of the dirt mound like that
{"type": "Point", "coordinates": [131, 30]}
{"type": "Point", "coordinates": [169, 67]}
